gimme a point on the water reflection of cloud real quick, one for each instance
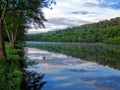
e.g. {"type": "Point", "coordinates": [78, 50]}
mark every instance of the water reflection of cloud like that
{"type": "Point", "coordinates": [58, 55]}
{"type": "Point", "coordinates": [45, 68]}
{"type": "Point", "coordinates": [37, 54]}
{"type": "Point", "coordinates": [63, 71]}
{"type": "Point", "coordinates": [108, 83]}
{"type": "Point", "coordinates": [34, 50]}
{"type": "Point", "coordinates": [61, 78]}
{"type": "Point", "coordinates": [66, 84]}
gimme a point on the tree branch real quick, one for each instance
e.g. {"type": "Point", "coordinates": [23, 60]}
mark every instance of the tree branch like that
{"type": "Point", "coordinates": [4, 10]}
{"type": "Point", "coordinates": [16, 32]}
{"type": "Point", "coordinates": [7, 31]}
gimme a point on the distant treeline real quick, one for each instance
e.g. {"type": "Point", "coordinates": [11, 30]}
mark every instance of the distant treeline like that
{"type": "Point", "coordinates": [107, 31]}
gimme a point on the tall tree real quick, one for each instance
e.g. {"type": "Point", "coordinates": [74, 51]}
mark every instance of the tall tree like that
{"type": "Point", "coordinates": [30, 10]}
{"type": "Point", "coordinates": [3, 7]}
{"type": "Point", "coordinates": [13, 24]}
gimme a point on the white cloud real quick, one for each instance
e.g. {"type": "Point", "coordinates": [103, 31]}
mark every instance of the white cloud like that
{"type": "Point", "coordinates": [67, 13]}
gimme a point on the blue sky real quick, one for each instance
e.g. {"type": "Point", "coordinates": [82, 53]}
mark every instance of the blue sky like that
{"type": "Point", "coordinates": [69, 13]}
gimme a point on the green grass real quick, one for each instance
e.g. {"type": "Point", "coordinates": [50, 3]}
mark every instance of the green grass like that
{"type": "Point", "coordinates": [11, 73]}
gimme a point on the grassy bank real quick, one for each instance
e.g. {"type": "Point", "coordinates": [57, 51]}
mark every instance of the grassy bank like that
{"type": "Point", "coordinates": [11, 73]}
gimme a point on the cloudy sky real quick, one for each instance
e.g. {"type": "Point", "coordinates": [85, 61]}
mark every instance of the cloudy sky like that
{"type": "Point", "coordinates": [69, 13]}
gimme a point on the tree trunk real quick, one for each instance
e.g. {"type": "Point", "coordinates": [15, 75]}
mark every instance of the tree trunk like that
{"type": "Point", "coordinates": [2, 45]}
{"type": "Point", "coordinates": [12, 44]}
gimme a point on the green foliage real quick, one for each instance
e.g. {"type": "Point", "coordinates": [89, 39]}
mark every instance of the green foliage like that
{"type": "Point", "coordinates": [11, 73]}
{"type": "Point", "coordinates": [115, 40]}
{"type": "Point", "coordinates": [20, 14]}
{"type": "Point", "coordinates": [30, 63]}
{"type": "Point", "coordinates": [103, 31]}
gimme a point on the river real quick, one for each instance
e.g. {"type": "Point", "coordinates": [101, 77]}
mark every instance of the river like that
{"type": "Point", "coordinates": [75, 66]}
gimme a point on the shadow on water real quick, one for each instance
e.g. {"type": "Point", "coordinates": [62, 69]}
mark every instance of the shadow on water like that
{"type": "Point", "coordinates": [100, 53]}
{"type": "Point", "coordinates": [33, 81]}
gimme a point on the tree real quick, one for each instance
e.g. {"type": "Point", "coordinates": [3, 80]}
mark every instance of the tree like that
{"type": "Point", "coordinates": [14, 24]}
{"type": "Point", "coordinates": [22, 10]}
{"type": "Point", "coordinates": [3, 7]}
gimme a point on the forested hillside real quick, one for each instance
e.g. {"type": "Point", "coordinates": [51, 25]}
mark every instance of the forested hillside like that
{"type": "Point", "coordinates": [107, 31]}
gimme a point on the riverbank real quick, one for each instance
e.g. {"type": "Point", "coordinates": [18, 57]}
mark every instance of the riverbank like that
{"type": "Point", "coordinates": [11, 70]}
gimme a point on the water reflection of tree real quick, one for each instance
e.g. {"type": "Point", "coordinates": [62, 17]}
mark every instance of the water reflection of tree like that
{"type": "Point", "coordinates": [33, 81]}
{"type": "Point", "coordinates": [100, 53]}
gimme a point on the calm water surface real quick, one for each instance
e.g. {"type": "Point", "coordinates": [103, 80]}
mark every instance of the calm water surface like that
{"type": "Point", "coordinates": [75, 66]}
